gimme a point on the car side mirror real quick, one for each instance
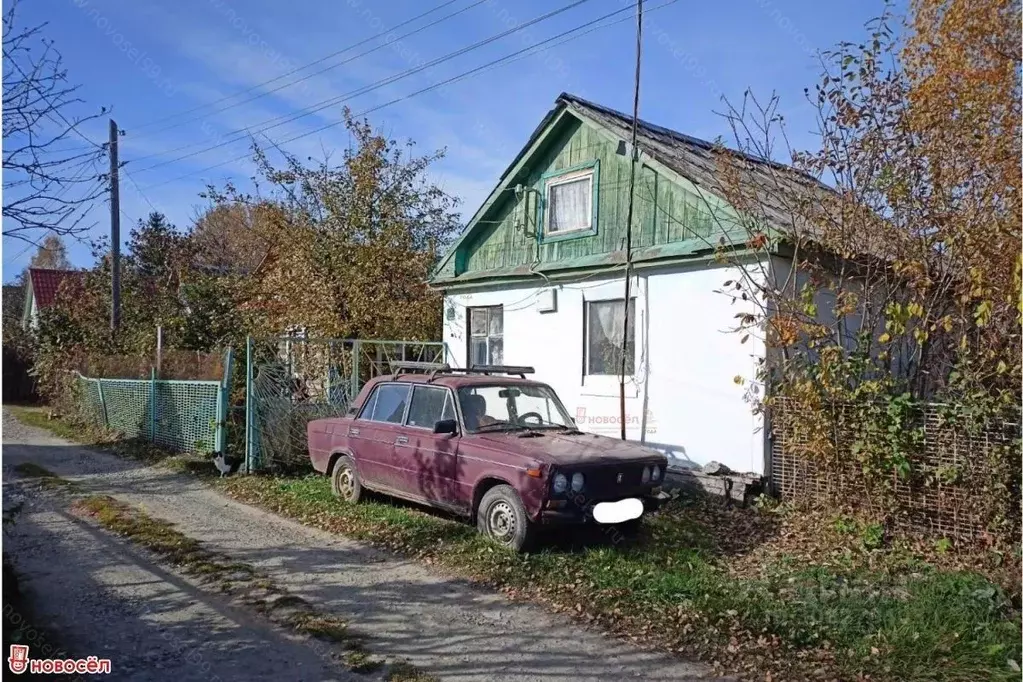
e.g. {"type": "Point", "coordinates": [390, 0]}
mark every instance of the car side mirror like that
{"type": "Point", "coordinates": [446, 426]}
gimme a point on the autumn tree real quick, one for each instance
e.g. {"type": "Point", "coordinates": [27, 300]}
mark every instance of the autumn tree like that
{"type": "Point", "coordinates": [227, 239]}
{"type": "Point", "coordinates": [51, 253]}
{"type": "Point", "coordinates": [914, 199]}
{"type": "Point", "coordinates": [349, 243]}
{"type": "Point", "coordinates": [904, 230]}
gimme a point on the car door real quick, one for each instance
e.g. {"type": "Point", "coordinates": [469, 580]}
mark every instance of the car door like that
{"type": "Point", "coordinates": [429, 460]}
{"type": "Point", "coordinates": [375, 431]}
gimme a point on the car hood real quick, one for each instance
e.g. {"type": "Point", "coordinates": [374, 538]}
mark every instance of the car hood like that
{"type": "Point", "coordinates": [570, 448]}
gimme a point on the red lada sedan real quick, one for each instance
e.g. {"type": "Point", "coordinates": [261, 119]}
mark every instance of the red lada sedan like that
{"type": "Point", "coordinates": [486, 443]}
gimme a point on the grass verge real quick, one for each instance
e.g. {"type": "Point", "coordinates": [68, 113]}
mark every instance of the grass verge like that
{"type": "Point", "coordinates": [731, 587]}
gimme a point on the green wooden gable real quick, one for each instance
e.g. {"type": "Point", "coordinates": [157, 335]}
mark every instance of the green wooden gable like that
{"type": "Point", "coordinates": [677, 213]}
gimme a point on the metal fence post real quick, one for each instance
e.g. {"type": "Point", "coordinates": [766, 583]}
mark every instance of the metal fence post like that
{"type": "Point", "coordinates": [353, 390]}
{"type": "Point", "coordinates": [103, 404]}
{"type": "Point", "coordinates": [152, 405]}
{"type": "Point", "coordinates": [248, 404]}
{"type": "Point", "coordinates": [224, 402]}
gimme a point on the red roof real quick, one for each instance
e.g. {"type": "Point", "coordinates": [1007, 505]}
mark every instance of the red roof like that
{"type": "Point", "coordinates": [46, 283]}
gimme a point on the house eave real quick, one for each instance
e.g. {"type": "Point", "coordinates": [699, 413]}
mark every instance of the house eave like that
{"type": "Point", "coordinates": [644, 259]}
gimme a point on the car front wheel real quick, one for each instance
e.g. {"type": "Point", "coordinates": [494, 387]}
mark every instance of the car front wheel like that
{"type": "Point", "coordinates": [502, 517]}
{"type": "Point", "coordinates": [345, 482]}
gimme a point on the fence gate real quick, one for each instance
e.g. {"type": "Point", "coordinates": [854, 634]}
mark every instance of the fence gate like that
{"type": "Point", "coordinates": [291, 381]}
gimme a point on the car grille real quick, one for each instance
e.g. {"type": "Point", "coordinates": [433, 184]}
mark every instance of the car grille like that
{"type": "Point", "coordinates": [602, 482]}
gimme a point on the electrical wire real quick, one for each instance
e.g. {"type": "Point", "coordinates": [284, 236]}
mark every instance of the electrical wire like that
{"type": "Point", "coordinates": [509, 58]}
{"type": "Point", "coordinates": [139, 189]}
{"type": "Point", "coordinates": [324, 104]}
{"type": "Point", "coordinates": [265, 93]}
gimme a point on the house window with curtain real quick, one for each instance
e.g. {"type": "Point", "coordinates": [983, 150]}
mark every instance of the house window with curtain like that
{"type": "Point", "coordinates": [569, 203]}
{"type": "Point", "coordinates": [603, 338]}
{"type": "Point", "coordinates": [486, 335]}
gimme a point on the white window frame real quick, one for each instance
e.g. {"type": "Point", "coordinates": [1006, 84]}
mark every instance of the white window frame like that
{"type": "Point", "coordinates": [606, 385]}
{"type": "Point", "coordinates": [587, 317]}
{"type": "Point", "coordinates": [470, 336]}
{"type": "Point", "coordinates": [574, 176]}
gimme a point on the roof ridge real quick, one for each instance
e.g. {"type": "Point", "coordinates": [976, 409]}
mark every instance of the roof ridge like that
{"type": "Point", "coordinates": [34, 269]}
{"type": "Point", "coordinates": [675, 134]}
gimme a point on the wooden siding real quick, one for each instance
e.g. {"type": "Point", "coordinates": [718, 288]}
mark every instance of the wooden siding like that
{"type": "Point", "coordinates": [665, 211]}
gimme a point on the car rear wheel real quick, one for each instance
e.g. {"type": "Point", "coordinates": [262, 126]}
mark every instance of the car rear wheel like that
{"type": "Point", "coordinates": [502, 517]}
{"type": "Point", "coordinates": [345, 482]}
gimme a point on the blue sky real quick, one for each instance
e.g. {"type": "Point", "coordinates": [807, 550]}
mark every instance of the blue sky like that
{"type": "Point", "coordinates": [151, 59]}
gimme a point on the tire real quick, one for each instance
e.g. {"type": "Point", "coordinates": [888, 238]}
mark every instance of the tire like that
{"type": "Point", "coordinates": [502, 518]}
{"type": "Point", "coordinates": [344, 480]}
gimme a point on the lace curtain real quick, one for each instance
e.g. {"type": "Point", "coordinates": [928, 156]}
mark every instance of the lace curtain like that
{"type": "Point", "coordinates": [570, 206]}
{"type": "Point", "coordinates": [604, 345]}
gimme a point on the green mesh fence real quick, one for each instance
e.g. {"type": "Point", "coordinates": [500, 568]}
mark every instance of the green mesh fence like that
{"type": "Point", "coordinates": [186, 416]}
{"type": "Point", "coordinates": [292, 381]}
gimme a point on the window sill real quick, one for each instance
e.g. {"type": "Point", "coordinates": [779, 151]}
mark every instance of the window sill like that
{"type": "Point", "coordinates": [607, 386]}
{"type": "Point", "coordinates": [568, 234]}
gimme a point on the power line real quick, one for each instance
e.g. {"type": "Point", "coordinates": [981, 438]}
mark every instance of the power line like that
{"type": "Point", "coordinates": [139, 189]}
{"type": "Point", "coordinates": [300, 68]}
{"type": "Point", "coordinates": [310, 75]}
{"type": "Point", "coordinates": [302, 113]}
{"type": "Point", "coordinates": [514, 56]}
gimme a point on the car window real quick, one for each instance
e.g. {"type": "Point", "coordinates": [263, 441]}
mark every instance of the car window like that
{"type": "Point", "coordinates": [387, 404]}
{"type": "Point", "coordinates": [430, 404]}
{"type": "Point", "coordinates": [515, 405]}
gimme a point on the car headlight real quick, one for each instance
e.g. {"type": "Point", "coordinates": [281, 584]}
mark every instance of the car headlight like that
{"type": "Point", "coordinates": [646, 475]}
{"type": "Point", "coordinates": [560, 483]}
{"type": "Point", "coordinates": [655, 475]}
{"type": "Point", "coordinates": [577, 482]}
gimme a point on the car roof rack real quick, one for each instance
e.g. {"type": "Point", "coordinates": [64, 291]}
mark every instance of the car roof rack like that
{"type": "Point", "coordinates": [399, 368]}
{"type": "Point", "coordinates": [521, 370]}
{"type": "Point", "coordinates": [435, 368]}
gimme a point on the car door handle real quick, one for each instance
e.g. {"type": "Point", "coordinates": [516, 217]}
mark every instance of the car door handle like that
{"type": "Point", "coordinates": [401, 440]}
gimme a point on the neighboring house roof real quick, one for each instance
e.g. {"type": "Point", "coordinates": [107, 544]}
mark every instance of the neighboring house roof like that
{"type": "Point", "coordinates": [44, 284]}
{"type": "Point", "coordinates": [696, 160]}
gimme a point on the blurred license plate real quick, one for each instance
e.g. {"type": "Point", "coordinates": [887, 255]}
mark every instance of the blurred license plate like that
{"type": "Point", "coordinates": [618, 512]}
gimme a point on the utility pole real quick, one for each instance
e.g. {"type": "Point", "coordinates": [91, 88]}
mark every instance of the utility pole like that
{"type": "Point", "coordinates": [115, 234]}
{"type": "Point", "coordinates": [634, 154]}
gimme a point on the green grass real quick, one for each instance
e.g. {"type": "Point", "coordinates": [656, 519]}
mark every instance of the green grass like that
{"type": "Point", "coordinates": [688, 585]}
{"type": "Point", "coordinates": [921, 624]}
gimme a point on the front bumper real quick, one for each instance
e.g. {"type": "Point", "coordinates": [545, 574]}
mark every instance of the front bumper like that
{"type": "Point", "coordinates": [569, 512]}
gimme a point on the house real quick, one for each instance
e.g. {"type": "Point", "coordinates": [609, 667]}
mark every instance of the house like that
{"type": "Point", "coordinates": [41, 288]}
{"type": "Point", "coordinates": [536, 278]}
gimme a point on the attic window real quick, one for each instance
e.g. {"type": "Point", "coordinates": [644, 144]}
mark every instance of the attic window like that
{"type": "Point", "coordinates": [569, 203]}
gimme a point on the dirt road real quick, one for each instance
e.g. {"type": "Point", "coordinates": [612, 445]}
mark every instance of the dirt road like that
{"type": "Point", "coordinates": [108, 598]}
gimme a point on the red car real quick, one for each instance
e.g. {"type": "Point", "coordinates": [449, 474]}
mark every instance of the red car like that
{"type": "Point", "coordinates": [486, 443]}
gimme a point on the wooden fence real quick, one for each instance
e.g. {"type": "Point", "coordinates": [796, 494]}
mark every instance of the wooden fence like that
{"type": "Point", "coordinates": [943, 494]}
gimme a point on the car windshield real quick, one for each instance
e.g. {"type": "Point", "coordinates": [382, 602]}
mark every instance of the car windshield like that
{"type": "Point", "coordinates": [512, 406]}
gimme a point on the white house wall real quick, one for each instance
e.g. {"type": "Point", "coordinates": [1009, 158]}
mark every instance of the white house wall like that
{"type": "Point", "coordinates": [683, 400]}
